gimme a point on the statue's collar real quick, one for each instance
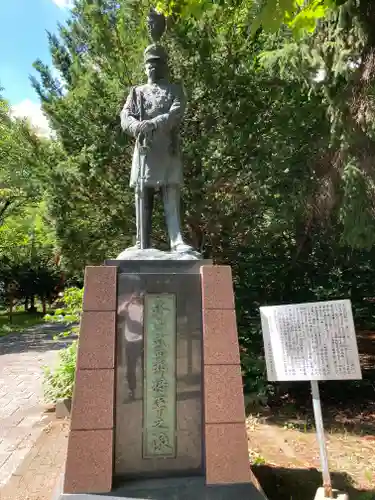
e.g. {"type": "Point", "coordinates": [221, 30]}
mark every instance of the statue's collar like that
{"type": "Point", "coordinates": [162, 81]}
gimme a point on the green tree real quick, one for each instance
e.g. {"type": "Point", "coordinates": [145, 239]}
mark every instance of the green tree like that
{"type": "Point", "coordinates": [98, 55]}
{"type": "Point", "coordinates": [28, 256]}
{"type": "Point", "coordinates": [220, 157]}
{"type": "Point", "coordinates": [267, 154]}
{"type": "Point", "coordinates": [337, 63]}
{"type": "Point", "coordinates": [300, 16]}
{"type": "Point", "coordinates": [27, 241]}
{"type": "Point", "coordinates": [259, 155]}
{"type": "Point", "coordinates": [25, 162]}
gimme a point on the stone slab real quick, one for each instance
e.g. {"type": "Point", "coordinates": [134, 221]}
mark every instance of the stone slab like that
{"type": "Point", "coordinates": [97, 340]}
{"type": "Point", "coordinates": [224, 402]}
{"type": "Point", "coordinates": [100, 288]}
{"type": "Point", "coordinates": [93, 400]}
{"type": "Point", "coordinates": [155, 254]}
{"type": "Point", "coordinates": [90, 461]}
{"type": "Point", "coordinates": [220, 338]}
{"type": "Point", "coordinates": [217, 287]}
{"type": "Point", "coordinates": [187, 488]}
{"type": "Point", "coordinates": [158, 266]}
{"type": "Point", "coordinates": [227, 455]}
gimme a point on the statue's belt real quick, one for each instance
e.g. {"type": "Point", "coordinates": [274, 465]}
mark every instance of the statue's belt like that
{"type": "Point", "coordinates": [143, 149]}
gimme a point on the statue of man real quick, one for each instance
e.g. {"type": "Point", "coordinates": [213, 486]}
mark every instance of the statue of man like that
{"type": "Point", "coordinates": [152, 114]}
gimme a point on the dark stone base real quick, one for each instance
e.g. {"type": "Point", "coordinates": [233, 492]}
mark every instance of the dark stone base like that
{"type": "Point", "coordinates": [173, 489]}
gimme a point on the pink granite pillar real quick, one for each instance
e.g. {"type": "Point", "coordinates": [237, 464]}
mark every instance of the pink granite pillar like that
{"type": "Point", "coordinates": [89, 461]}
{"type": "Point", "coordinates": [226, 448]}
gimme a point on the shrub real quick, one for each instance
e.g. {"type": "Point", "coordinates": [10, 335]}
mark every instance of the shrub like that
{"type": "Point", "coordinates": [59, 383]}
{"type": "Point", "coordinates": [70, 313]}
{"type": "Point", "coordinates": [254, 376]}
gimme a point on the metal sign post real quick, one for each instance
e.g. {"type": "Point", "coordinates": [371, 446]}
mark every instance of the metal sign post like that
{"type": "Point", "coordinates": [312, 341]}
{"type": "Point", "coordinates": [327, 485]}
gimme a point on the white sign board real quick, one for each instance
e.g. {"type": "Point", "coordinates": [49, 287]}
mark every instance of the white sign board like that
{"type": "Point", "coordinates": [311, 341]}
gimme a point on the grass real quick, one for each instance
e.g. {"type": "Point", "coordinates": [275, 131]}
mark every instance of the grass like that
{"type": "Point", "coordinates": [21, 320]}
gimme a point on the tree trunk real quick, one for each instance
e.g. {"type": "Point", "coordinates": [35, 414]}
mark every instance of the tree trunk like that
{"type": "Point", "coordinates": [26, 303]}
{"type": "Point", "coordinates": [44, 304]}
{"type": "Point", "coordinates": [11, 309]}
{"type": "Point", "coordinates": [32, 308]}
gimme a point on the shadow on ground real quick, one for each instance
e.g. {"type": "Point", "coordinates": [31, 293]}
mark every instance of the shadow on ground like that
{"type": "Point", "coordinates": [39, 338]}
{"type": "Point", "coordinates": [301, 484]}
{"type": "Point", "coordinates": [352, 417]}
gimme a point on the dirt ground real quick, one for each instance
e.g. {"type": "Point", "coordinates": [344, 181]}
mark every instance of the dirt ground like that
{"type": "Point", "coordinates": [285, 459]}
{"type": "Point", "coordinates": [283, 448]}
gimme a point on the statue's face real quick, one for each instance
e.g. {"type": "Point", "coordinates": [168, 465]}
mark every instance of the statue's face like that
{"type": "Point", "coordinates": [155, 70]}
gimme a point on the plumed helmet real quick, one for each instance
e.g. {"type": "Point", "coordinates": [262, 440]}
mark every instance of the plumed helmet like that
{"type": "Point", "coordinates": [156, 24]}
{"type": "Point", "coordinates": [155, 52]}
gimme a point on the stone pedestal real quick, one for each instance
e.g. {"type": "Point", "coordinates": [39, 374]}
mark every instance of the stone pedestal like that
{"type": "Point", "coordinates": [188, 488]}
{"type": "Point", "coordinates": [158, 409]}
{"type": "Point", "coordinates": [89, 464]}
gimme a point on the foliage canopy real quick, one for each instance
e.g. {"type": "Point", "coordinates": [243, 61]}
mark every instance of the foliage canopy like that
{"type": "Point", "coordinates": [278, 143]}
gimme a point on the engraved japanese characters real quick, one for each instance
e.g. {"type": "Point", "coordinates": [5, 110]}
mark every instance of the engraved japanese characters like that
{"type": "Point", "coordinates": [160, 376]}
{"type": "Point", "coordinates": [312, 341]}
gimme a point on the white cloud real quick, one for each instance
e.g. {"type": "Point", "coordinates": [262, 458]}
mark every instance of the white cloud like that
{"type": "Point", "coordinates": [56, 75]}
{"type": "Point", "coordinates": [64, 4]}
{"type": "Point", "coordinates": [33, 113]}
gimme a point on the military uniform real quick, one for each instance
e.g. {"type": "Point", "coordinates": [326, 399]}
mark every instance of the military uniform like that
{"type": "Point", "coordinates": [163, 104]}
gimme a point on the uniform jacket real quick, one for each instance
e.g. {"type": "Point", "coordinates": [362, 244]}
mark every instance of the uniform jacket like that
{"type": "Point", "coordinates": [164, 104]}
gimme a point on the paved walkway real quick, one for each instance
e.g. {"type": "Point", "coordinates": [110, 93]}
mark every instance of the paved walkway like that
{"type": "Point", "coordinates": [39, 475]}
{"type": "Point", "coordinates": [22, 420]}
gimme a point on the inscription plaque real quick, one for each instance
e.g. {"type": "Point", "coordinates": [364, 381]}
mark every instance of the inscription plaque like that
{"type": "Point", "coordinates": [312, 341]}
{"type": "Point", "coordinates": [135, 415]}
{"type": "Point", "coordinates": [159, 419]}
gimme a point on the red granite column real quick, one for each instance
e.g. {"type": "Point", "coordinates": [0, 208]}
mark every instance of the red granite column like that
{"type": "Point", "coordinates": [226, 448]}
{"type": "Point", "coordinates": [89, 461]}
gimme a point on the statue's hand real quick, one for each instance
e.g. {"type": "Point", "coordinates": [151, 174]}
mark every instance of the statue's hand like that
{"type": "Point", "coordinates": [146, 127]}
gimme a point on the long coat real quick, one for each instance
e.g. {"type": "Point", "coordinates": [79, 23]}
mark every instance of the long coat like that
{"type": "Point", "coordinates": [164, 104]}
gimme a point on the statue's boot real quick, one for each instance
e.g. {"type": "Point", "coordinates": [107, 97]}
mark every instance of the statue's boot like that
{"type": "Point", "coordinates": [171, 199]}
{"type": "Point", "coordinates": [182, 248]}
{"type": "Point", "coordinates": [135, 247]}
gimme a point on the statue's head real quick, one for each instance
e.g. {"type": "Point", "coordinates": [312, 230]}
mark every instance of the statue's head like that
{"type": "Point", "coordinates": [156, 63]}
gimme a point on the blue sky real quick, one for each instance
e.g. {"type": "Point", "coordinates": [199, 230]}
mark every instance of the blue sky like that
{"type": "Point", "coordinates": [22, 40]}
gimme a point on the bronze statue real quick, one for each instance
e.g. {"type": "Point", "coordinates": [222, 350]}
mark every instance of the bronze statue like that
{"type": "Point", "coordinates": [152, 114]}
